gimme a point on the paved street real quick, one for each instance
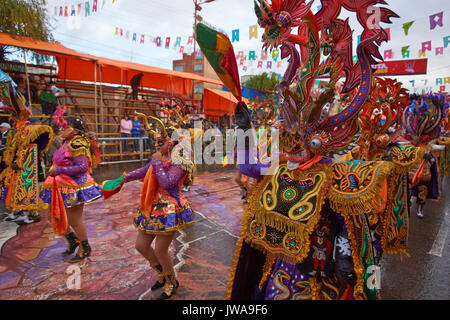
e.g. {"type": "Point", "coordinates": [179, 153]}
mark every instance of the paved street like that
{"type": "Point", "coordinates": [31, 266]}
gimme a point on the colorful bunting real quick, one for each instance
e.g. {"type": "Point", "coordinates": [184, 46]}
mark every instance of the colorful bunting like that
{"type": "Point", "coordinates": [426, 46]}
{"type": "Point", "coordinates": [177, 42]}
{"type": "Point", "coordinates": [388, 54]}
{"type": "Point", "coordinates": [405, 52]}
{"type": "Point", "coordinates": [446, 41]}
{"type": "Point", "coordinates": [275, 54]}
{"type": "Point", "coordinates": [406, 26]}
{"type": "Point", "coordinates": [75, 9]}
{"type": "Point", "coordinates": [253, 32]}
{"type": "Point", "coordinates": [235, 35]}
{"type": "Point", "coordinates": [436, 20]}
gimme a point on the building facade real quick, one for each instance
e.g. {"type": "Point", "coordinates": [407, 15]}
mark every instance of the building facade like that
{"type": "Point", "coordinates": [200, 67]}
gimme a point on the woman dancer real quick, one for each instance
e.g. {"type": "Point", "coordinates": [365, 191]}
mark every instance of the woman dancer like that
{"type": "Point", "coordinates": [163, 209]}
{"type": "Point", "coordinates": [69, 175]}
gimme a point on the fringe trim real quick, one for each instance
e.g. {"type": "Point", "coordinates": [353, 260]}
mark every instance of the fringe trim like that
{"type": "Point", "coordinates": [82, 150]}
{"type": "Point", "coordinates": [38, 131]}
{"type": "Point", "coordinates": [364, 200]}
{"type": "Point", "coordinates": [10, 151]}
{"type": "Point", "coordinates": [248, 216]}
{"type": "Point", "coordinates": [6, 175]}
{"type": "Point", "coordinates": [393, 180]}
{"type": "Point", "coordinates": [277, 253]}
{"type": "Point", "coordinates": [405, 167]}
{"type": "Point", "coordinates": [69, 188]}
{"type": "Point", "coordinates": [315, 288]}
{"type": "Point", "coordinates": [279, 222]}
{"type": "Point", "coordinates": [267, 269]}
{"type": "Point", "coordinates": [31, 207]}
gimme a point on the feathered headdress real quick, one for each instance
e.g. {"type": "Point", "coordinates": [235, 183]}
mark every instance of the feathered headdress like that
{"type": "Point", "coordinates": [423, 118]}
{"type": "Point", "coordinates": [382, 109]}
{"type": "Point", "coordinates": [13, 101]}
{"type": "Point", "coordinates": [58, 117]}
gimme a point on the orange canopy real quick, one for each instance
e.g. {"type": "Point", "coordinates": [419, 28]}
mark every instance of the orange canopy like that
{"type": "Point", "coordinates": [73, 65]}
{"type": "Point", "coordinates": [218, 102]}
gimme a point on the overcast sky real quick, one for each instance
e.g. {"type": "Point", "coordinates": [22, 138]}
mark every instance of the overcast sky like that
{"type": "Point", "coordinates": [95, 34]}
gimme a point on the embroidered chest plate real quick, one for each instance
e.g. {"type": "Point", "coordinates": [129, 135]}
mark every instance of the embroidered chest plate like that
{"type": "Point", "coordinates": [406, 156]}
{"type": "Point", "coordinates": [284, 209]}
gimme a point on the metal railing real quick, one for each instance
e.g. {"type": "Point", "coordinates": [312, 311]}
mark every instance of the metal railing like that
{"type": "Point", "coordinates": [143, 146]}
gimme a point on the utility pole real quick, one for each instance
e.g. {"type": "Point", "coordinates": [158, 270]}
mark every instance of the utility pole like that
{"type": "Point", "coordinates": [197, 8]}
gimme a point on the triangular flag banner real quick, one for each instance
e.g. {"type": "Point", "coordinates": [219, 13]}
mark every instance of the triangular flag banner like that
{"type": "Point", "coordinates": [406, 26]}
{"type": "Point", "coordinates": [218, 49]}
{"type": "Point", "coordinates": [436, 20]}
{"type": "Point", "coordinates": [405, 52]}
{"type": "Point", "coordinates": [111, 187]}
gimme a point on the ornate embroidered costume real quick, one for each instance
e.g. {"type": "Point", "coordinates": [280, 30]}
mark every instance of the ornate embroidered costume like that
{"type": "Point", "coordinates": [378, 141]}
{"type": "Point", "coordinates": [168, 211]}
{"type": "Point", "coordinates": [73, 162]}
{"type": "Point", "coordinates": [22, 159]}
{"type": "Point", "coordinates": [422, 121]}
{"type": "Point", "coordinates": [163, 208]}
{"type": "Point", "coordinates": [307, 232]}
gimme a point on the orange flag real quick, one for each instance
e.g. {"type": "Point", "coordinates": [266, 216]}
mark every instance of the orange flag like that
{"type": "Point", "coordinates": [58, 211]}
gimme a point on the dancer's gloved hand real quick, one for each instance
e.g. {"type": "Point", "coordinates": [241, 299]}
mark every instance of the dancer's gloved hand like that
{"type": "Point", "coordinates": [52, 172]}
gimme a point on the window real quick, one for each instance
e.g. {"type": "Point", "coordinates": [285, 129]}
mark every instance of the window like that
{"type": "Point", "coordinates": [198, 67]}
{"type": "Point", "coordinates": [198, 90]}
{"type": "Point", "coordinates": [179, 68]}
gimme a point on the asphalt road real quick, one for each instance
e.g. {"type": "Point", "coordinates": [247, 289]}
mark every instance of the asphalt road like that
{"type": "Point", "coordinates": [426, 274]}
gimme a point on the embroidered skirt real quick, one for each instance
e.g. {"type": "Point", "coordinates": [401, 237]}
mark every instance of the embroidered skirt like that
{"type": "Point", "coordinates": [74, 191]}
{"type": "Point", "coordinates": [165, 223]}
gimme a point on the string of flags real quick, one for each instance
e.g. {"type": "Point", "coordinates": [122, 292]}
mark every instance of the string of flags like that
{"type": "Point", "coordinates": [435, 21]}
{"type": "Point", "coordinates": [245, 59]}
{"type": "Point", "coordinates": [272, 60]}
{"type": "Point", "coordinates": [427, 85]}
{"type": "Point", "coordinates": [248, 59]}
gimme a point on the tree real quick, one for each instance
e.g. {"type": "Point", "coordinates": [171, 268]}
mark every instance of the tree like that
{"type": "Point", "coordinates": [26, 18]}
{"type": "Point", "coordinates": [262, 82]}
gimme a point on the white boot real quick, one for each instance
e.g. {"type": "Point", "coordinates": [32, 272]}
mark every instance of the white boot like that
{"type": "Point", "coordinates": [420, 211]}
